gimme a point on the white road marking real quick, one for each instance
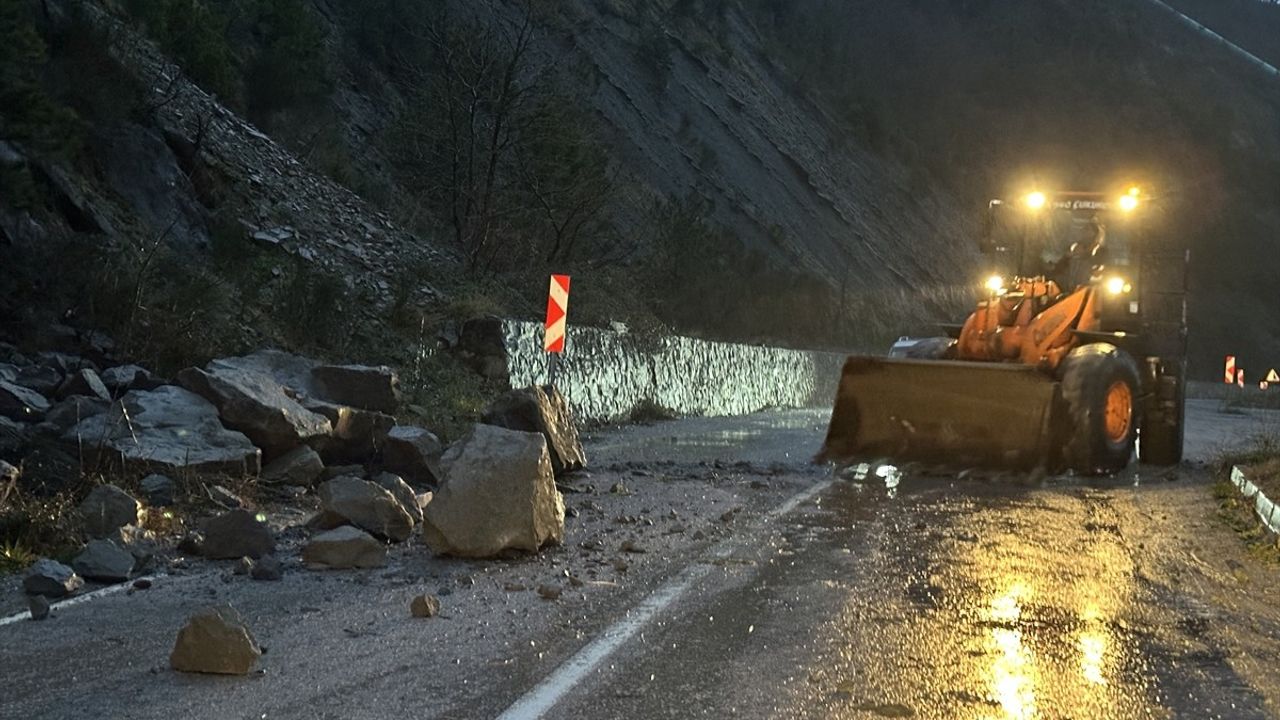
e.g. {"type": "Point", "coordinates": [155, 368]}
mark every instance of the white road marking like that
{"type": "Point", "coordinates": [546, 694]}
{"type": "Point", "coordinates": [77, 600]}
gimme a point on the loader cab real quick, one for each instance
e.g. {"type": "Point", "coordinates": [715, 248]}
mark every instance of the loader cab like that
{"type": "Point", "coordinates": [1073, 238]}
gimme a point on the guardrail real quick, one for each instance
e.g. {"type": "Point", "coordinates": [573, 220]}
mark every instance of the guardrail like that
{"type": "Point", "coordinates": [1266, 510]}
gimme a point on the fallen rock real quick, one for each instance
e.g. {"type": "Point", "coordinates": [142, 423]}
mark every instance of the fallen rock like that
{"type": "Point", "coordinates": [104, 561]}
{"type": "Point", "coordinates": [20, 403]}
{"type": "Point", "coordinates": [40, 378]}
{"type": "Point", "coordinates": [403, 494]}
{"type": "Point", "coordinates": [345, 547]}
{"type": "Point", "coordinates": [414, 454]}
{"type": "Point", "coordinates": [362, 386]}
{"type": "Point", "coordinates": [14, 436]}
{"type": "Point", "coordinates": [74, 410]}
{"type": "Point", "coordinates": [236, 534]}
{"type": "Point", "coordinates": [425, 606]}
{"type": "Point", "coordinates": [106, 509]}
{"type": "Point", "coordinates": [159, 490]}
{"type": "Point", "coordinates": [357, 434]}
{"type": "Point", "coordinates": [498, 494]}
{"type": "Point", "coordinates": [541, 410]}
{"type": "Point", "coordinates": [168, 430]}
{"type": "Point", "coordinates": [549, 592]}
{"type": "Point", "coordinates": [84, 382]}
{"type": "Point", "coordinates": [51, 579]}
{"type": "Point", "coordinates": [366, 505]}
{"type": "Point", "coordinates": [39, 606]}
{"type": "Point", "coordinates": [123, 378]}
{"type": "Point", "coordinates": [215, 641]}
{"type": "Point", "coordinates": [242, 566]}
{"type": "Point", "coordinates": [267, 568]}
{"type": "Point", "coordinates": [299, 466]}
{"type": "Point", "coordinates": [255, 405]}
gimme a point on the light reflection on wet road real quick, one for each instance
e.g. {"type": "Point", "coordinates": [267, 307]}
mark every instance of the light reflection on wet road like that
{"type": "Point", "coordinates": [902, 596]}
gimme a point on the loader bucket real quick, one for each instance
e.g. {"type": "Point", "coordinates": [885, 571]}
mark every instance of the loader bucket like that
{"type": "Point", "coordinates": [951, 413]}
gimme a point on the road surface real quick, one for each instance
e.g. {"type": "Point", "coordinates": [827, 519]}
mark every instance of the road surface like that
{"type": "Point", "coordinates": [772, 591]}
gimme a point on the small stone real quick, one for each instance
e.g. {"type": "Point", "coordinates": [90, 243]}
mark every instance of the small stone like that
{"type": "Point", "coordinates": [759, 485]}
{"type": "Point", "coordinates": [158, 490]}
{"type": "Point", "coordinates": [345, 547]}
{"type": "Point", "coordinates": [514, 587]}
{"type": "Point", "coordinates": [51, 579]}
{"type": "Point", "coordinates": [699, 535]}
{"type": "Point", "coordinates": [619, 489]}
{"type": "Point", "coordinates": [267, 568]}
{"type": "Point", "coordinates": [549, 592]}
{"type": "Point", "coordinates": [106, 509]}
{"type": "Point", "coordinates": [576, 581]}
{"type": "Point", "coordinates": [191, 544]}
{"type": "Point", "coordinates": [630, 546]}
{"type": "Point", "coordinates": [215, 641]}
{"type": "Point", "coordinates": [620, 565]}
{"type": "Point", "coordinates": [729, 516]}
{"type": "Point", "coordinates": [243, 566]}
{"type": "Point", "coordinates": [142, 584]}
{"type": "Point", "coordinates": [105, 561]}
{"type": "Point", "coordinates": [236, 534]}
{"type": "Point", "coordinates": [300, 466]}
{"type": "Point", "coordinates": [425, 606]}
{"type": "Point", "coordinates": [39, 606]}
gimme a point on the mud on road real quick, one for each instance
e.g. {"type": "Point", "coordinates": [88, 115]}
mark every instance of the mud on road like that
{"type": "Point", "coordinates": [983, 597]}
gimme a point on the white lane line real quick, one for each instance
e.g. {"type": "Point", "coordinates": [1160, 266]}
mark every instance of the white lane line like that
{"type": "Point", "coordinates": [546, 694]}
{"type": "Point", "coordinates": [77, 600]}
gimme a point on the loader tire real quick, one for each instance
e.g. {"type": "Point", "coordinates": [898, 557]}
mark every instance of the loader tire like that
{"type": "Point", "coordinates": [1100, 389]}
{"type": "Point", "coordinates": [1162, 424]}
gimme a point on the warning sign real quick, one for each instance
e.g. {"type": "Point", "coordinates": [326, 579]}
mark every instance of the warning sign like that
{"type": "Point", "coordinates": [1230, 375]}
{"type": "Point", "coordinates": [557, 314]}
{"type": "Point", "coordinates": [1272, 377]}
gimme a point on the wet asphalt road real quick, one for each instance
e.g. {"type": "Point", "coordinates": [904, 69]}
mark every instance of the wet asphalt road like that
{"type": "Point", "coordinates": [984, 598]}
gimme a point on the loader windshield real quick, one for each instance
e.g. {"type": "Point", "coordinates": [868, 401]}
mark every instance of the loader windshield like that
{"type": "Point", "coordinates": [1031, 243]}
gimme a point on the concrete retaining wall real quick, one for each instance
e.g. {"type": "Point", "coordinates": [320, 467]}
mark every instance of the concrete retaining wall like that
{"type": "Point", "coordinates": [607, 375]}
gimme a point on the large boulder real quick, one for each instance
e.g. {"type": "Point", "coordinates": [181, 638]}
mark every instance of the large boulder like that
{"type": "Point", "coordinates": [168, 429]}
{"type": "Point", "coordinates": [22, 403]}
{"type": "Point", "coordinates": [256, 405]}
{"type": "Point", "coordinates": [345, 547]}
{"type": "Point", "coordinates": [541, 410]}
{"type": "Point", "coordinates": [357, 434]}
{"type": "Point", "coordinates": [215, 641]}
{"type": "Point", "coordinates": [51, 578]}
{"type": "Point", "coordinates": [106, 509]}
{"type": "Point", "coordinates": [14, 437]}
{"type": "Point", "coordinates": [368, 506]}
{"type": "Point", "coordinates": [83, 382]}
{"type": "Point", "coordinates": [159, 490]}
{"type": "Point", "coordinates": [300, 466]}
{"type": "Point", "coordinates": [498, 493]}
{"type": "Point", "coordinates": [105, 561]}
{"type": "Point", "coordinates": [362, 386]}
{"type": "Point", "coordinates": [414, 454]}
{"type": "Point", "coordinates": [236, 534]}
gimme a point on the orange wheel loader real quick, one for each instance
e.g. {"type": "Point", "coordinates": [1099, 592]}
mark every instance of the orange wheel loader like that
{"type": "Point", "coordinates": [1074, 355]}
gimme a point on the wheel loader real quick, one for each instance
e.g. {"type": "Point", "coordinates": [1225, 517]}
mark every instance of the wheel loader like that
{"type": "Point", "coordinates": [1074, 355]}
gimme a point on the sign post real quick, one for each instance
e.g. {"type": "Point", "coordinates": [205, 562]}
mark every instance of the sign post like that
{"type": "Point", "coordinates": [557, 320]}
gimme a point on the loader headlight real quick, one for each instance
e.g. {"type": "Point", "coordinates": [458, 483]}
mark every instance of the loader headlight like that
{"type": "Point", "coordinates": [1128, 203]}
{"type": "Point", "coordinates": [995, 283]}
{"type": "Point", "coordinates": [1036, 200]}
{"type": "Point", "coordinates": [1117, 285]}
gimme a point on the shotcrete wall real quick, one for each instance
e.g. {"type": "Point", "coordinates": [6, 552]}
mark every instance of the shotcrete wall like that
{"type": "Point", "coordinates": [607, 375]}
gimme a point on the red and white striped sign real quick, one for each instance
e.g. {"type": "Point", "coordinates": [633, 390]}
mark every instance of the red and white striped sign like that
{"type": "Point", "coordinates": [1230, 375]}
{"type": "Point", "coordinates": [1240, 377]}
{"type": "Point", "coordinates": [557, 314]}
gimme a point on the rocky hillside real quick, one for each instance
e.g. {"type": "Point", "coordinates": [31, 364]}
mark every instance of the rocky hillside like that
{"type": "Point", "coordinates": [347, 178]}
